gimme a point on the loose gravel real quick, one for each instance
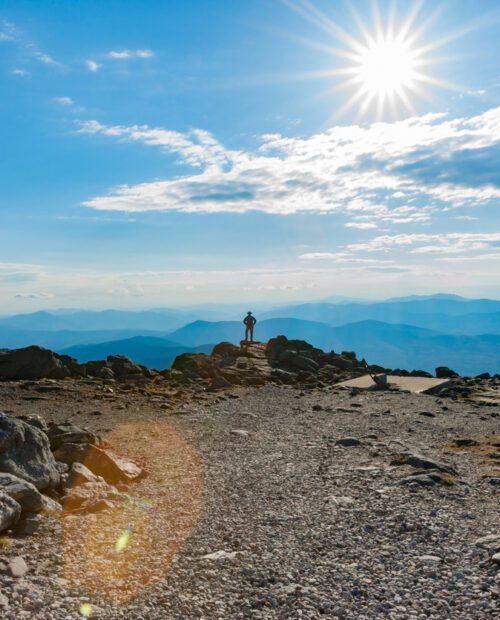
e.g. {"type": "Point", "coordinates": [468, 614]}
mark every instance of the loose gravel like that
{"type": "Point", "coordinates": [304, 513]}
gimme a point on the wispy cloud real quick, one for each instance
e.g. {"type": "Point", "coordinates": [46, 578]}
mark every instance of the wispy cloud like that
{"type": "Point", "coordinates": [33, 296]}
{"type": "Point", "coordinates": [444, 243]}
{"type": "Point", "coordinates": [196, 149]}
{"type": "Point", "coordinates": [20, 72]}
{"type": "Point", "coordinates": [46, 59]}
{"type": "Point", "coordinates": [64, 101]}
{"type": "Point", "coordinates": [396, 173]}
{"type": "Point", "coordinates": [7, 31]}
{"type": "Point", "coordinates": [127, 54]}
{"type": "Point", "coordinates": [361, 225]}
{"type": "Point", "coordinates": [92, 65]}
{"type": "Point", "coordinates": [19, 272]}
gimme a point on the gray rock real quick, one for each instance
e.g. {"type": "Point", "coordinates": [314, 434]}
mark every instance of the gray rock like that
{"type": "Point", "coordinates": [70, 453]}
{"type": "Point", "coordinates": [28, 525]}
{"type": "Point", "coordinates": [430, 559]}
{"type": "Point", "coordinates": [423, 462]}
{"type": "Point", "coordinates": [427, 479]}
{"type": "Point", "coordinates": [89, 497]}
{"type": "Point", "coordinates": [35, 420]}
{"type": "Point", "coordinates": [25, 493]}
{"type": "Point", "coordinates": [490, 542]}
{"type": "Point", "coordinates": [348, 441]}
{"type": "Point", "coordinates": [443, 372]}
{"type": "Point", "coordinates": [78, 475]}
{"type": "Point", "coordinates": [69, 433]}
{"type": "Point", "coordinates": [18, 567]}
{"type": "Point", "coordinates": [51, 506]}
{"type": "Point", "coordinates": [465, 442]}
{"type": "Point", "coordinates": [240, 432]}
{"type": "Point", "coordinates": [221, 555]}
{"type": "Point", "coordinates": [100, 462]}
{"type": "Point", "coordinates": [10, 511]}
{"type": "Point", "coordinates": [25, 453]}
{"type": "Point", "coordinates": [32, 363]}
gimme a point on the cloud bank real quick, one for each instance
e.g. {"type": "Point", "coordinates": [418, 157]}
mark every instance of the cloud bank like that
{"type": "Point", "coordinates": [382, 173]}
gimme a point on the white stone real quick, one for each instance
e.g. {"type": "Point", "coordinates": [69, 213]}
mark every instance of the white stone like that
{"type": "Point", "coordinates": [430, 558]}
{"type": "Point", "coordinates": [221, 555]}
{"type": "Point", "coordinates": [18, 567]}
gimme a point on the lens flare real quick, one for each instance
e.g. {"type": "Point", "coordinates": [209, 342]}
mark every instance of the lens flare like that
{"type": "Point", "coordinates": [115, 554]}
{"type": "Point", "coordinates": [85, 610]}
{"type": "Point", "coordinates": [122, 542]}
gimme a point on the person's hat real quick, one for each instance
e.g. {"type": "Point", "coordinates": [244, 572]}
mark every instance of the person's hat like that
{"type": "Point", "coordinates": [249, 312]}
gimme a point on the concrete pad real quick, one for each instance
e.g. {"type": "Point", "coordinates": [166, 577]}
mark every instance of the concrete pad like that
{"type": "Point", "coordinates": [417, 385]}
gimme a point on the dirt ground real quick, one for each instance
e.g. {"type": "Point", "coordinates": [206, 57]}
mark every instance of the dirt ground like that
{"type": "Point", "coordinates": [251, 509]}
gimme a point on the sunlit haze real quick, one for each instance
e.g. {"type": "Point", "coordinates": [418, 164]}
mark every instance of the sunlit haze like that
{"type": "Point", "coordinates": [178, 154]}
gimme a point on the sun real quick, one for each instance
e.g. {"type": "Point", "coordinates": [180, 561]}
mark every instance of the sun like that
{"type": "Point", "coordinates": [387, 66]}
{"type": "Point", "coordinates": [386, 70]}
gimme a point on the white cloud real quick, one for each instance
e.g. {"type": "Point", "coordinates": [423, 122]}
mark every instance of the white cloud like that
{"type": "Point", "coordinates": [7, 31]}
{"type": "Point", "coordinates": [33, 296]}
{"type": "Point", "coordinates": [19, 272]}
{"type": "Point", "coordinates": [361, 225]}
{"type": "Point", "coordinates": [126, 54]}
{"type": "Point", "coordinates": [480, 92]}
{"type": "Point", "coordinates": [443, 243]}
{"type": "Point", "coordinates": [197, 149]}
{"type": "Point", "coordinates": [46, 59]}
{"type": "Point", "coordinates": [92, 65]}
{"type": "Point", "coordinates": [20, 72]}
{"type": "Point", "coordinates": [396, 173]}
{"type": "Point", "coordinates": [65, 101]}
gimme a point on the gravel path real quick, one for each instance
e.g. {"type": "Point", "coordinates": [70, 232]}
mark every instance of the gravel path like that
{"type": "Point", "coordinates": [294, 524]}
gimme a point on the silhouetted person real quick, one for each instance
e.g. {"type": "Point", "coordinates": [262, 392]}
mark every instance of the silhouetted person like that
{"type": "Point", "coordinates": [249, 321]}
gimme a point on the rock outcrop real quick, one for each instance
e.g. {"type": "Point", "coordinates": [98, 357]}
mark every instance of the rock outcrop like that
{"type": "Point", "coordinates": [25, 493]}
{"type": "Point", "coordinates": [36, 363]}
{"type": "Point", "coordinates": [28, 465]}
{"type": "Point", "coordinates": [25, 453]}
{"type": "Point", "coordinates": [10, 511]}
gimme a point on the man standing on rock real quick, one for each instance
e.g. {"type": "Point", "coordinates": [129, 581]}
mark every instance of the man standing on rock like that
{"type": "Point", "coordinates": [249, 321]}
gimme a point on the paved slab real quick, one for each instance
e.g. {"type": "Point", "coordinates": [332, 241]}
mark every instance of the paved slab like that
{"type": "Point", "coordinates": [417, 385]}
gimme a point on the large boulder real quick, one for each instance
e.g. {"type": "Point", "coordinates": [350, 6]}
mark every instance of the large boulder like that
{"type": "Point", "coordinates": [125, 369]}
{"type": "Point", "coordinates": [443, 372]}
{"type": "Point", "coordinates": [227, 350]}
{"type": "Point", "coordinates": [33, 363]}
{"type": "Point", "coordinates": [111, 467]}
{"type": "Point", "coordinates": [91, 497]}
{"type": "Point", "coordinates": [78, 475]}
{"type": "Point", "coordinates": [25, 493]}
{"type": "Point", "coordinates": [25, 453]}
{"type": "Point", "coordinates": [69, 433]}
{"type": "Point", "coordinates": [10, 511]}
{"type": "Point", "coordinates": [195, 365]}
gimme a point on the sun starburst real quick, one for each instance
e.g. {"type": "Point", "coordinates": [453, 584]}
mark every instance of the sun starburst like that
{"type": "Point", "coordinates": [386, 67]}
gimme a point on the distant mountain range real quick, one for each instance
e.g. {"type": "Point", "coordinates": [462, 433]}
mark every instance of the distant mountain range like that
{"type": "Point", "coordinates": [86, 320]}
{"type": "Point", "coordinates": [156, 353]}
{"type": "Point", "coordinates": [470, 317]}
{"type": "Point", "coordinates": [418, 332]}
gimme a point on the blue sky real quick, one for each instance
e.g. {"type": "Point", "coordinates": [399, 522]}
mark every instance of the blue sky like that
{"type": "Point", "coordinates": [175, 153]}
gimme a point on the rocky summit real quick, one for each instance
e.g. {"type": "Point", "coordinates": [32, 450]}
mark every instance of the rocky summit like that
{"type": "Point", "coordinates": [255, 482]}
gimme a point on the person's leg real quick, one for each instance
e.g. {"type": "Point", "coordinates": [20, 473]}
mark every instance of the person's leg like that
{"type": "Point", "coordinates": [247, 330]}
{"type": "Point", "coordinates": [251, 333]}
